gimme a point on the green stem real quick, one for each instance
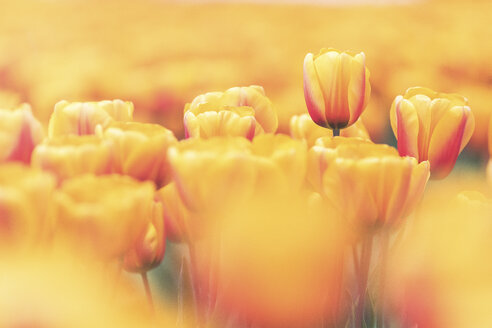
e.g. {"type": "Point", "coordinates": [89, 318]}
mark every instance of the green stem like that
{"type": "Point", "coordinates": [363, 277]}
{"type": "Point", "coordinates": [382, 282]}
{"type": "Point", "coordinates": [147, 290]}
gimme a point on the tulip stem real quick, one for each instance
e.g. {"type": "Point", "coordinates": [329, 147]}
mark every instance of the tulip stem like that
{"type": "Point", "coordinates": [382, 283]}
{"type": "Point", "coordinates": [363, 276]}
{"type": "Point", "coordinates": [145, 280]}
{"type": "Point", "coordinates": [336, 132]}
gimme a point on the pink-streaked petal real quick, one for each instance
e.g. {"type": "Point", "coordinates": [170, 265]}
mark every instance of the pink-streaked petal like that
{"type": "Point", "coordinates": [312, 92]}
{"type": "Point", "coordinates": [407, 128]}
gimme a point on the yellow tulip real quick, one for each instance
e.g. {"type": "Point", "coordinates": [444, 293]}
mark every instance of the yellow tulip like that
{"type": "Point", "coordinates": [432, 126]}
{"type": "Point", "coordinates": [26, 212]}
{"type": "Point", "coordinates": [220, 173]}
{"type": "Point", "coordinates": [81, 118]}
{"type": "Point", "coordinates": [148, 250]}
{"type": "Point", "coordinates": [20, 132]}
{"type": "Point", "coordinates": [69, 156]}
{"type": "Point", "coordinates": [336, 87]}
{"type": "Point", "coordinates": [260, 108]}
{"type": "Point", "coordinates": [140, 150]}
{"type": "Point", "coordinates": [232, 121]}
{"type": "Point", "coordinates": [369, 184]}
{"type": "Point", "coordinates": [280, 263]}
{"type": "Point", "coordinates": [176, 215]}
{"type": "Point", "coordinates": [302, 127]}
{"type": "Point", "coordinates": [104, 214]}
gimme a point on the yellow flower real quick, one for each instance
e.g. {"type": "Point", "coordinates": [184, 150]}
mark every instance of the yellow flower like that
{"type": "Point", "coordinates": [20, 132]}
{"type": "Point", "coordinates": [81, 118]}
{"type": "Point", "coordinates": [26, 213]}
{"type": "Point", "coordinates": [302, 127]}
{"type": "Point", "coordinates": [148, 250]}
{"type": "Point", "coordinates": [432, 126]}
{"type": "Point", "coordinates": [260, 109]}
{"type": "Point", "coordinates": [336, 87]}
{"type": "Point", "coordinates": [104, 214]}
{"type": "Point", "coordinates": [176, 215]}
{"type": "Point", "coordinates": [369, 184]}
{"type": "Point", "coordinates": [220, 173]}
{"type": "Point", "coordinates": [229, 121]}
{"type": "Point", "coordinates": [69, 156]}
{"type": "Point", "coordinates": [140, 150]}
{"type": "Point", "coordinates": [280, 263]}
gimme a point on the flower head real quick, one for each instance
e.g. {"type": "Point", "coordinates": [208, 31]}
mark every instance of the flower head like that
{"type": "Point", "coordinates": [369, 184]}
{"type": "Point", "coordinates": [336, 87]}
{"type": "Point", "coordinates": [105, 214]}
{"type": "Point", "coordinates": [239, 111]}
{"type": "Point", "coordinates": [432, 126]}
{"type": "Point", "coordinates": [81, 118]}
{"type": "Point", "coordinates": [20, 132]}
{"type": "Point", "coordinates": [140, 150]}
{"type": "Point", "coordinates": [69, 156]}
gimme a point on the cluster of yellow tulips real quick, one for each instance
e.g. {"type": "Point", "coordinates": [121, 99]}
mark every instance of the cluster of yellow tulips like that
{"type": "Point", "coordinates": [319, 228]}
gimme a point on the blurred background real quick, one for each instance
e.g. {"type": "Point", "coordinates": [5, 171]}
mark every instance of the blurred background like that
{"type": "Point", "coordinates": [161, 54]}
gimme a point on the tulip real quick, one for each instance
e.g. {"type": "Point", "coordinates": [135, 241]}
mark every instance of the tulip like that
{"type": "Point", "coordinates": [336, 87]}
{"type": "Point", "coordinates": [148, 250]}
{"type": "Point", "coordinates": [104, 215]}
{"type": "Point", "coordinates": [370, 185]}
{"type": "Point", "coordinates": [69, 156]}
{"type": "Point", "coordinates": [260, 109]}
{"type": "Point", "coordinates": [20, 132]}
{"type": "Point", "coordinates": [176, 215]}
{"type": "Point", "coordinates": [140, 150]}
{"type": "Point", "coordinates": [432, 126]}
{"type": "Point", "coordinates": [235, 121]}
{"type": "Point", "coordinates": [81, 118]}
{"type": "Point", "coordinates": [220, 173]}
{"type": "Point", "coordinates": [26, 212]}
{"type": "Point", "coordinates": [302, 127]}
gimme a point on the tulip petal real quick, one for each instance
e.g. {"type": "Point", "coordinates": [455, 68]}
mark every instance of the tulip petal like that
{"type": "Point", "coordinates": [446, 141]}
{"type": "Point", "coordinates": [313, 94]}
{"type": "Point", "coordinates": [406, 127]}
{"type": "Point", "coordinates": [358, 88]}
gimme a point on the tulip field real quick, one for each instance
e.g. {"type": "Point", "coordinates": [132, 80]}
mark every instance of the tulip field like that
{"type": "Point", "coordinates": [247, 164]}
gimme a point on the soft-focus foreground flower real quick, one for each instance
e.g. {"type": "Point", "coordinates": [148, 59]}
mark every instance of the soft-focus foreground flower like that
{"type": "Point", "coordinates": [432, 126]}
{"type": "Point", "coordinates": [140, 150]}
{"type": "Point", "coordinates": [279, 264]}
{"type": "Point", "coordinates": [20, 132]}
{"type": "Point", "coordinates": [56, 289]}
{"type": "Point", "coordinates": [104, 214]}
{"type": "Point", "coordinates": [220, 173]}
{"type": "Point", "coordinates": [239, 111]}
{"type": "Point", "coordinates": [26, 212]}
{"type": "Point", "coordinates": [81, 118]}
{"type": "Point", "coordinates": [148, 250]}
{"type": "Point", "coordinates": [302, 127]}
{"type": "Point", "coordinates": [176, 215]}
{"type": "Point", "coordinates": [442, 278]}
{"type": "Point", "coordinates": [69, 156]}
{"type": "Point", "coordinates": [370, 184]}
{"type": "Point", "coordinates": [336, 87]}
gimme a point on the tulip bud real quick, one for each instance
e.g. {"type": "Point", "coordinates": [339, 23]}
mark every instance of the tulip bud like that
{"type": "Point", "coordinates": [20, 132]}
{"type": "Point", "coordinates": [302, 127]}
{"type": "Point", "coordinates": [148, 250]}
{"type": "Point", "coordinates": [81, 118]}
{"type": "Point", "coordinates": [336, 87]}
{"type": "Point", "coordinates": [432, 126]}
